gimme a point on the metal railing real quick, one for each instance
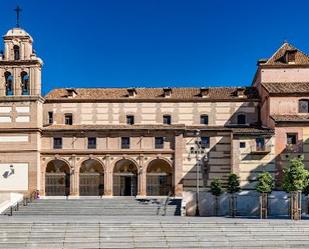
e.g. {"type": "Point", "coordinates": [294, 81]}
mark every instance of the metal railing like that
{"type": "Point", "coordinates": [263, 148]}
{"type": "Point", "coordinates": [25, 201]}
{"type": "Point", "coordinates": [164, 204]}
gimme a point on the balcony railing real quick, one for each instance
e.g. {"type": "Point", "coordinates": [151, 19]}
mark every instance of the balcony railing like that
{"type": "Point", "coordinates": [293, 148]}
{"type": "Point", "coordinates": [261, 149]}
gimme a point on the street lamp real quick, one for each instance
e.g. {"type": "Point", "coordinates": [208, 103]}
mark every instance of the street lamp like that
{"type": "Point", "coordinates": [199, 153]}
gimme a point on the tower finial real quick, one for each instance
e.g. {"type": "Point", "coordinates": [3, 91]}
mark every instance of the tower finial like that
{"type": "Point", "coordinates": [18, 10]}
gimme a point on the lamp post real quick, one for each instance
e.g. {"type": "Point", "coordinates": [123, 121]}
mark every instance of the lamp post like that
{"type": "Point", "coordinates": [199, 153]}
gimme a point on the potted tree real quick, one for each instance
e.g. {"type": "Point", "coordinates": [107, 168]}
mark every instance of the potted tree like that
{"type": "Point", "coordinates": [306, 193]}
{"type": "Point", "coordinates": [216, 190]}
{"type": "Point", "coordinates": [294, 181]}
{"type": "Point", "coordinates": [232, 188]}
{"type": "Point", "coordinates": [264, 186]}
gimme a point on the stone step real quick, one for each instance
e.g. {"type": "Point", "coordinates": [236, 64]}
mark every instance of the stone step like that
{"type": "Point", "coordinates": [99, 207]}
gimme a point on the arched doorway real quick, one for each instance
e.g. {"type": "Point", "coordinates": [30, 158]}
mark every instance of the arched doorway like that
{"type": "Point", "coordinates": [91, 178]}
{"type": "Point", "coordinates": [125, 178]}
{"type": "Point", "coordinates": [159, 178]}
{"type": "Point", "coordinates": [57, 178]}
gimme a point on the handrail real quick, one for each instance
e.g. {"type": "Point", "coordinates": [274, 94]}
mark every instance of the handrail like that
{"type": "Point", "coordinates": [166, 203]}
{"type": "Point", "coordinates": [25, 201]}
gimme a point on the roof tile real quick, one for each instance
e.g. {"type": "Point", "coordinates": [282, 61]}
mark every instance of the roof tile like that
{"type": "Point", "coordinates": [150, 93]}
{"type": "Point", "coordinates": [287, 87]}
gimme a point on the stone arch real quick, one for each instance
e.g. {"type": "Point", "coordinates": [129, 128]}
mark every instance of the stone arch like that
{"type": "Point", "coordinates": [125, 173]}
{"type": "Point", "coordinates": [168, 161]}
{"type": "Point", "coordinates": [159, 178]}
{"type": "Point", "coordinates": [25, 87]}
{"type": "Point", "coordinates": [91, 177]}
{"type": "Point", "coordinates": [54, 159]}
{"type": "Point", "coordinates": [9, 84]}
{"type": "Point", "coordinates": [16, 51]}
{"type": "Point", "coordinates": [90, 158]}
{"type": "Point", "coordinates": [57, 178]}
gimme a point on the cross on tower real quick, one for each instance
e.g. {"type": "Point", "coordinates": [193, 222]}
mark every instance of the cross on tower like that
{"type": "Point", "coordinates": [18, 10]}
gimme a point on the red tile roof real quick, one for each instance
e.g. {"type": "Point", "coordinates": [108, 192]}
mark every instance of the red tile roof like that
{"type": "Point", "coordinates": [290, 87]}
{"type": "Point", "coordinates": [278, 57]}
{"type": "Point", "coordinates": [215, 93]}
{"type": "Point", "coordinates": [251, 130]}
{"type": "Point", "coordinates": [111, 127]}
{"type": "Point", "coordinates": [291, 118]}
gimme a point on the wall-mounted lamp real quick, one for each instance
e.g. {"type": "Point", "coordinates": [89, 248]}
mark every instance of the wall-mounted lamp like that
{"type": "Point", "coordinates": [12, 170]}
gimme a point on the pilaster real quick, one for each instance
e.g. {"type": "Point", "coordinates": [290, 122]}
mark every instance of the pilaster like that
{"type": "Point", "coordinates": [178, 164]}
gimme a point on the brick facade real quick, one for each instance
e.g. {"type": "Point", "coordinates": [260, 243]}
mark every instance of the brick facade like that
{"type": "Point", "coordinates": [77, 141]}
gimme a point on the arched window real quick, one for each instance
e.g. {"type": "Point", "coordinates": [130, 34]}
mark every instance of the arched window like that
{"type": "Point", "coordinates": [16, 53]}
{"type": "Point", "coordinates": [24, 83]}
{"type": "Point", "coordinates": [241, 119]}
{"type": "Point", "coordinates": [8, 83]}
{"type": "Point", "coordinates": [204, 119]}
{"type": "Point", "coordinates": [303, 106]}
{"type": "Point", "coordinates": [167, 119]}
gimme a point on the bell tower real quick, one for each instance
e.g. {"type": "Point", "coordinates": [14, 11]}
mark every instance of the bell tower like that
{"type": "Point", "coordinates": [20, 68]}
{"type": "Point", "coordinates": [21, 107]}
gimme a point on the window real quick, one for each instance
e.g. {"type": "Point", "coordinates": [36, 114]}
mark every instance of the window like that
{"type": "Point", "coordinates": [125, 143]}
{"type": "Point", "coordinates": [130, 119]}
{"type": "Point", "coordinates": [241, 119]}
{"type": "Point", "coordinates": [167, 119]}
{"type": "Point", "coordinates": [204, 119]}
{"type": "Point", "coordinates": [24, 83]}
{"type": "Point", "coordinates": [291, 138]}
{"type": "Point", "coordinates": [303, 106]}
{"type": "Point", "coordinates": [8, 83]}
{"type": "Point", "coordinates": [92, 142]}
{"type": "Point", "coordinates": [260, 143]}
{"type": "Point", "coordinates": [16, 53]}
{"type": "Point", "coordinates": [159, 142]}
{"type": "Point", "coordinates": [57, 142]}
{"type": "Point", "coordinates": [204, 142]}
{"type": "Point", "coordinates": [290, 56]}
{"type": "Point", "coordinates": [50, 117]}
{"type": "Point", "coordinates": [68, 119]}
{"type": "Point", "coordinates": [242, 145]}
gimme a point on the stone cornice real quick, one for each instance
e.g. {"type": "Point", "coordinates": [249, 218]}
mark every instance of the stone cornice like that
{"type": "Point", "coordinates": [120, 152]}
{"type": "Point", "coordinates": [22, 98]}
{"type": "Point", "coordinates": [20, 62]}
{"type": "Point", "coordinates": [170, 100]}
{"type": "Point", "coordinates": [19, 130]}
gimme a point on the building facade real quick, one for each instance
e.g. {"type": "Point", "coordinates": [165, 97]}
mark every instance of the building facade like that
{"type": "Point", "coordinates": [146, 141]}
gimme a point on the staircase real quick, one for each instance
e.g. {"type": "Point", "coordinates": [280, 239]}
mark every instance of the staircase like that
{"type": "Point", "coordinates": [149, 232]}
{"type": "Point", "coordinates": [118, 206]}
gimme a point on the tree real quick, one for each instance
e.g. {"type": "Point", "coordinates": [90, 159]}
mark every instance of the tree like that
{"type": "Point", "coordinates": [295, 180]}
{"type": "Point", "coordinates": [306, 192]}
{"type": "Point", "coordinates": [216, 190]}
{"type": "Point", "coordinates": [232, 188]}
{"type": "Point", "coordinates": [264, 186]}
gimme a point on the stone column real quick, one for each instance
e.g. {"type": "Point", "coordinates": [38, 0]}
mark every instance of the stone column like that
{"type": "Point", "coordinates": [178, 164]}
{"type": "Point", "coordinates": [22, 51]}
{"type": "Point", "coordinates": [141, 177]}
{"type": "Point", "coordinates": [7, 51]}
{"type": "Point", "coordinates": [108, 177]}
{"type": "Point", "coordinates": [42, 190]}
{"type": "Point", "coordinates": [74, 178]}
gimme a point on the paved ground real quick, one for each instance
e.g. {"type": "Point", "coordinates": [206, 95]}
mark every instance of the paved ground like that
{"type": "Point", "coordinates": [149, 232]}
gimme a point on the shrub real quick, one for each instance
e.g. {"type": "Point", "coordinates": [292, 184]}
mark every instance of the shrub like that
{"type": "Point", "coordinates": [265, 183]}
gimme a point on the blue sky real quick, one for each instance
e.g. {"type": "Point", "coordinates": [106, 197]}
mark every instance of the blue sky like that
{"type": "Point", "coordinates": [121, 43]}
